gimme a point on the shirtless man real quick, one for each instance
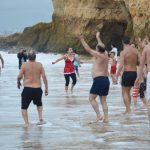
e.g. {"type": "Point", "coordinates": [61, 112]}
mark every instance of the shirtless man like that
{"type": "Point", "coordinates": [2, 61]}
{"type": "Point", "coordinates": [101, 82]}
{"type": "Point", "coordinates": [129, 59]}
{"type": "Point", "coordinates": [145, 60]}
{"type": "Point", "coordinates": [31, 72]}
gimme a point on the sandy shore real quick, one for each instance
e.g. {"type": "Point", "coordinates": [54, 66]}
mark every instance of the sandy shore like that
{"type": "Point", "coordinates": [69, 117]}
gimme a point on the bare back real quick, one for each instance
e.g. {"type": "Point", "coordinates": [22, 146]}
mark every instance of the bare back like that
{"type": "Point", "coordinates": [131, 58]}
{"type": "Point", "coordinates": [100, 65]}
{"type": "Point", "coordinates": [32, 72]}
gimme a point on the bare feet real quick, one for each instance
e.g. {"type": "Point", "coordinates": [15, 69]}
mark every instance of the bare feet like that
{"type": "Point", "coordinates": [99, 118]}
{"type": "Point", "coordinates": [105, 120]}
{"type": "Point", "coordinates": [41, 122]}
{"type": "Point", "coordinates": [26, 125]}
{"type": "Point", "coordinates": [127, 113]}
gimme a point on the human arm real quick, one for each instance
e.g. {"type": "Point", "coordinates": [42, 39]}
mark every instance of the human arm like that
{"type": "Point", "coordinates": [2, 60]}
{"type": "Point", "coordinates": [121, 64]}
{"type": "Point", "coordinates": [142, 63]}
{"type": "Point", "coordinates": [63, 57]}
{"type": "Point", "coordinates": [87, 47]}
{"type": "Point", "coordinates": [45, 81]}
{"type": "Point", "coordinates": [20, 76]}
{"type": "Point", "coordinates": [99, 40]}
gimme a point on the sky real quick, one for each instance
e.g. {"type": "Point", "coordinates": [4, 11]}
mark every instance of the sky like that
{"type": "Point", "coordinates": [15, 15]}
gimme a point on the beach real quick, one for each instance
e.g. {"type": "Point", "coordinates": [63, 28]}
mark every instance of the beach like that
{"type": "Point", "coordinates": [69, 117]}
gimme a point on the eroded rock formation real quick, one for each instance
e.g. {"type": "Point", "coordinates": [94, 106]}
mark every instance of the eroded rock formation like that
{"type": "Point", "coordinates": [113, 18]}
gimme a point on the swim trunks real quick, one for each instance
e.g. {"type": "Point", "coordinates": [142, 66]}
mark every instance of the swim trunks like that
{"type": "Point", "coordinates": [148, 86]}
{"type": "Point", "coordinates": [128, 78]}
{"type": "Point", "coordinates": [113, 69]}
{"type": "Point", "coordinates": [30, 94]}
{"type": "Point", "coordinates": [100, 86]}
{"type": "Point", "coordinates": [142, 89]}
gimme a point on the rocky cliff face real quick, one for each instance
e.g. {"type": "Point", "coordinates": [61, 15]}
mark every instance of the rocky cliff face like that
{"type": "Point", "coordinates": [113, 18]}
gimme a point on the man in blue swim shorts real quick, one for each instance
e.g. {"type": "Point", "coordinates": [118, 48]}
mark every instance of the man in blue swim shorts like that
{"type": "Point", "coordinates": [101, 82]}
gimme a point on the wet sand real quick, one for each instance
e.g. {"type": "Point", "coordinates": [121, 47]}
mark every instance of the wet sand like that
{"type": "Point", "coordinates": [69, 117]}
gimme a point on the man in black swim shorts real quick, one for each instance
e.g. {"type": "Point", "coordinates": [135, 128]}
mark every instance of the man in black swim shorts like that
{"type": "Point", "coordinates": [32, 72]}
{"type": "Point", "coordinates": [129, 59]}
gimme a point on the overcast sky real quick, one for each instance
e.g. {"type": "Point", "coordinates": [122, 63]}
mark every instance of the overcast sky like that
{"type": "Point", "coordinates": [15, 15]}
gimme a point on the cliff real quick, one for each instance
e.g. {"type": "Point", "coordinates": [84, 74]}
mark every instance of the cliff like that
{"type": "Point", "coordinates": [113, 18]}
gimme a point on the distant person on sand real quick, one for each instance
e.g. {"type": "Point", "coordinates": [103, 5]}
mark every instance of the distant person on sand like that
{"type": "Point", "coordinates": [113, 68]}
{"type": "Point", "coordinates": [2, 62]}
{"type": "Point", "coordinates": [69, 71]}
{"type": "Point", "coordinates": [22, 57]}
{"type": "Point", "coordinates": [129, 59]}
{"type": "Point", "coordinates": [115, 50]}
{"type": "Point", "coordinates": [101, 82]}
{"type": "Point", "coordinates": [76, 64]}
{"type": "Point", "coordinates": [31, 72]}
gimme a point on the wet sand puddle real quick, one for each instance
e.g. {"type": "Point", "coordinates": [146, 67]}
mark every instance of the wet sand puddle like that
{"type": "Point", "coordinates": [69, 117]}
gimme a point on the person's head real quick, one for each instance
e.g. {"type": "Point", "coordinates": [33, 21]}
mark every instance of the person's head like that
{"type": "Point", "coordinates": [133, 45]}
{"type": "Point", "coordinates": [21, 50]}
{"type": "Point", "coordinates": [112, 54]}
{"type": "Point", "coordinates": [75, 51]}
{"type": "Point", "coordinates": [24, 51]}
{"type": "Point", "coordinates": [100, 49]}
{"type": "Point", "coordinates": [113, 45]}
{"type": "Point", "coordinates": [69, 50]}
{"type": "Point", "coordinates": [31, 55]}
{"type": "Point", "coordinates": [126, 40]}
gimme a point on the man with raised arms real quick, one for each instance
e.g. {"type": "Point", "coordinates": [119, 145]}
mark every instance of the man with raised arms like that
{"type": "Point", "coordinates": [101, 82]}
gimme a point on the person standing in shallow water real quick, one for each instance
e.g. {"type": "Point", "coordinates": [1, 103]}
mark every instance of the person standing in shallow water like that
{"type": "Point", "coordinates": [129, 59]}
{"type": "Point", "coordinates": [69, 71]}
{"type": "Point", "coordinates": [31, 72]}
{"type": "Point", "coordinates": [101, 82]}
{"type": "Point", "coordinates": [76, 64]}
{"type": "Point", "coordinates": [2, 61]}
{"type": "Point", "coordinates": [22, 57]}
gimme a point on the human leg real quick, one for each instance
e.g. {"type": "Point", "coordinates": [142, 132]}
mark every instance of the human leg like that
{"type": "Point", "coordinates": [105, 108]}
{"type": "Point", "coordinates": [67, 79]}
{"type": "Point", "coordinates": [92, 99]}
{"type": "Point", "coordinates": [127, 99]}
{"type": "Point", "coordinates": [74, 80]}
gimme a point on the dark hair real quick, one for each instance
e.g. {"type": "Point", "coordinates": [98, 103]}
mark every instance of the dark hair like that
{"type": "Point", "coordinates": [113, 44]}
{"type": "Point", "coordinates": [31, 55]}
{"type": "Point", "coordinates": [126, 40]}
{"type": "Point", "coordinates": [75, 51]}
{"type": "Point", "coordinates": [100, 48]}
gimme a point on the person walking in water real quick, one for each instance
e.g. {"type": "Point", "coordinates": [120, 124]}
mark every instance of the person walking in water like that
{"type": "Point", "coordinates": [2, 62]}
{"type": "Point", "coordinates": [145, 60]}
{"type": "Point", "coordinates": [69, 71]}
{"type": "Point", "coordinates": [129, 59]}
{"type": "Point", "coordinates": [101, 82]}
{"type": "Point", "coordinates": [22, 57]}
{"type": "Point", "coordinates": [31, 73]}
{"type": "Point", "coordinates": [76, 64]}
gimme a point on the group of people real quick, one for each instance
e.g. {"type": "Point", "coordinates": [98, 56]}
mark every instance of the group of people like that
{"type": "Point", "coordinates": [32, 71]}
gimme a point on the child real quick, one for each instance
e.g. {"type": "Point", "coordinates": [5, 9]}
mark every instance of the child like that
{"type": "Point", "coordinates": [113, 67]}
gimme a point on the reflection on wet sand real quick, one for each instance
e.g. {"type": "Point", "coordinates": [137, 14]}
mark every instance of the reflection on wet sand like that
{"type": "Point", "coordinates": [32, 138]}
{"type": "Point", "coordinates": [68, 117]}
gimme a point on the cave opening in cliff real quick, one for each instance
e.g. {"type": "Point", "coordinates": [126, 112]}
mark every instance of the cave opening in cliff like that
{"type": "Point", "coordinates": [112, 32]}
